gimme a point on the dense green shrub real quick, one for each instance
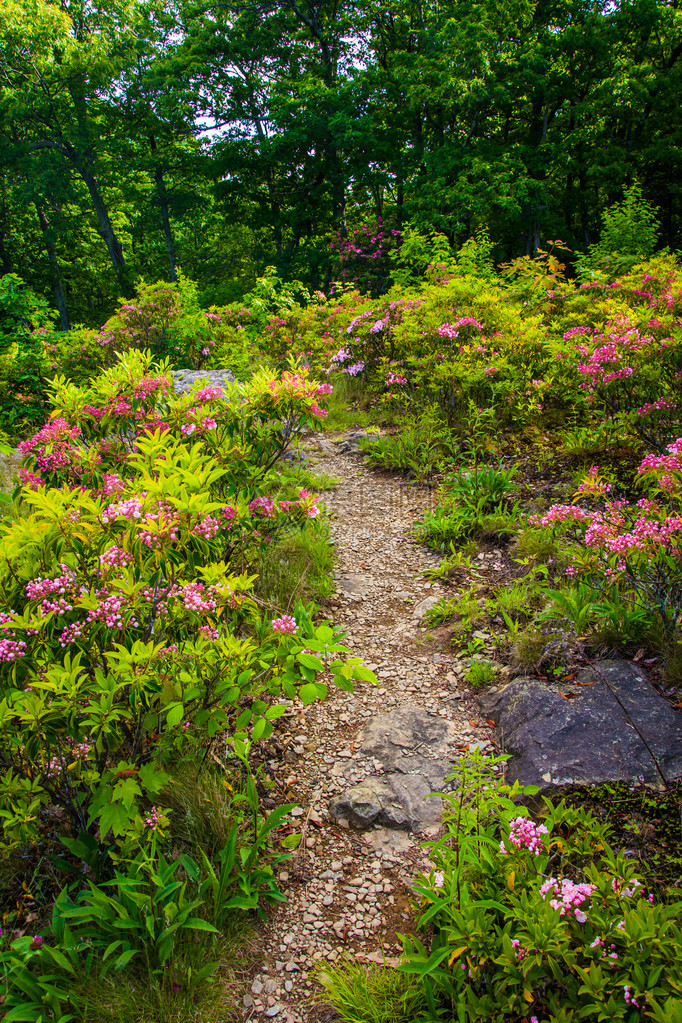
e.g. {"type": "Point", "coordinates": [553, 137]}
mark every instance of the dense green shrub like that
{"type": "Point", "coordinates": [538, 919]}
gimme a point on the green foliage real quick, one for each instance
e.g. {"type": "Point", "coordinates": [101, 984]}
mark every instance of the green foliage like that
{"type": "Point", "coordinates": [25, 321]}
{"type": "Point", "coordinates": [371, 994]}
{"type": "Point", "coordinates": [466, 609]}
{"type": "Point", "coordinates": [629, 235]}
{"type": "Point", "coordinates": [481, 673]}
{"type": "Point", "coordinates": [473, 503]}
{"type": "Point", "coordinates": [419, 450]}
{"type": "Point", "coordinates": [506, 944]}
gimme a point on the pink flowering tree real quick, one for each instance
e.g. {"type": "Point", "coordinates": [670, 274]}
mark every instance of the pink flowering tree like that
{"type": "Point", "coordinates": [165, 319]}
{"type": "Point", "coordinates": [632, 375]}
{"type": "Point", "coordinates": [363, 255]}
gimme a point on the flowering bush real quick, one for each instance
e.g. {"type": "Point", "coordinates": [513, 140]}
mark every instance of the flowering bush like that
{"type": "Point", "coordinates": [363, 255]}
{"type": "Point", "coordinates": [631, 551]}
{"type": "Point", "coordinates": [124, 622]}
{"type": "Point", "coordinates": [538, 922]}
{"type": "Point", "coordinates": [163, 318]}
{"type": "Point", "coordinates": [92, 434]}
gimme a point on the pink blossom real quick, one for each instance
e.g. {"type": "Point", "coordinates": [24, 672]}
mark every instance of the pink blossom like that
{"type": "Point", "coordinates": [286, 625]}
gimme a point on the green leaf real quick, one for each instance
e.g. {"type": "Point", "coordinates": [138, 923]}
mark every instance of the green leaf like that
{"type": "Point", "coordinates": [272, 713]}
{"type": "Point", "coordinates": [174, 714]}
{"type": "Point", "coordinates": [343, 683]}
{"type": "Point", "coordinates": [308, 693]}
{"type": "Point", "coordinates": [258, 730]}
{"type": "Point", "coordinates": [292, 841]}
{"type": "Point", "coordinates": [309, 661]}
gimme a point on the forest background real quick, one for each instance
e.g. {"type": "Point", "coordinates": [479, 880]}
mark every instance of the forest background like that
{"type": "Point", "coordinates": [140, 138]}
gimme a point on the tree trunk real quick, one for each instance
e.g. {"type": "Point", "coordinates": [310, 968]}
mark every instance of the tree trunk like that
{"type": "Point", "coordinates": [57, 285]}
{"type": "Point", "coordinates": [84, 161]}
{"type": "Point", "coordinates": [162, 195]}
{"type": "Point", "coordinates": [107, 230]}
{"type": "Point", "coordinates": [5, 258]}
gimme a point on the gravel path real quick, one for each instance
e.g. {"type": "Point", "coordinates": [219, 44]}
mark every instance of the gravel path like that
{"type": "Point", "coordinates": [347, 890]}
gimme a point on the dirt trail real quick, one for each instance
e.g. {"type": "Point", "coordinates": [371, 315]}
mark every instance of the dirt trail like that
{"type": "Point", "coordinates": [348, 890]}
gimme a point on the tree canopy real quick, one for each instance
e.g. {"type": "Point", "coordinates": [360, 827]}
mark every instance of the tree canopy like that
{"type": "Point", "coordinates": [140, 138]}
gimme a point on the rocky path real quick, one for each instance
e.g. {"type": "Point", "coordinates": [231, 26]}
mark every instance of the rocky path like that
{"type": "Point", "coordinates": [368, 758]}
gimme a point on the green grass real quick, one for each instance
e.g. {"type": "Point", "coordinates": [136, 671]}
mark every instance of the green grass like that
{"type": "Point", "coordinates": [138, 997]}
{"type": "Point", "coordinates": [481, 673]}
{"type": "Point", "coordinates": [348, 406]}
{"type": "Point", "coordinates": [292, 477]}
{"type": "Point", "coordinates": [371, 994]}
{"type": "Point", "coordinates": [516, 600]}
{"type": "Point", "coordinates": [299, 567]}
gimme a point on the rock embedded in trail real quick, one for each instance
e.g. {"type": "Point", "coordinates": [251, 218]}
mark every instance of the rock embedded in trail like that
{"type": "Point", "coordinates": [350, 444]}
{"type": "Point", "coordinates": [352, 584]}
{"type": "Point", "coordinates": [608, 725]}
{"type": "Point", "coordinates": [411, 752]}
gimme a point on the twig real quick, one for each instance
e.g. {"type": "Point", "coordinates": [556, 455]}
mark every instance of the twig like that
{"type": "Point", "coordinates": [299, 855]}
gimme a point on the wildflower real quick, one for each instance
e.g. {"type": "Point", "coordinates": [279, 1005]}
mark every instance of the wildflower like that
{"type": "Point", "coordinates": [569, 896]}
{"type": "Point", "coordinates": [153, 820]}
{"type": "Point", "coordinates": [439, 879]}
{"type": "Point", "coordinates": [524, 834]}
{"type": "Point", "coordinates": [286, 625]}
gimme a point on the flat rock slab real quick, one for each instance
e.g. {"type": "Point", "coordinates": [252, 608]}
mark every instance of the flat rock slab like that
{"type": "Point", "coordinates": [607, 725]}
{"type": "Point", "coordinates": [353, 584]}
{"type": "Point", "coordinates": [425, 605]}
{"type": "Point", "coordinates": [412, 755]}
{"type": "Point", "coordinates": [186, 379]}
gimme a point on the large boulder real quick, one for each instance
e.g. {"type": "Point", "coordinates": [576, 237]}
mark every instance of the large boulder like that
{"type": "Point", "coordinates": [185, 379]}
{"type": "Point", "coordinates": [607, 725]}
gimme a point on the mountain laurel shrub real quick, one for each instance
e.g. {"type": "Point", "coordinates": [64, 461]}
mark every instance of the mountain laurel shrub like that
{"type": "Point", "coordinates": [126, 625]}
{"type": "Point", "coordinates": [538, 919]}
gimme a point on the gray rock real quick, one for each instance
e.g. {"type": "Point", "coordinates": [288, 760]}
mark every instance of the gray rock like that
{"type": "Point", "coordinates": [386, 841]}
{"type": "Point", "coordinates": [350, 445]}
{"type": "Point", "coordinates": [412, 749]}
{"type": "Point", "coordinates": [353, 584]}
{"type": "Point", "coordinates": [186, 379]}
{"type": "Point", "coordinates": [613, 727]}
{"type": "Point", "coordinates": [400, 801]}
{"type": "Point", "coordinates": [425, 605]}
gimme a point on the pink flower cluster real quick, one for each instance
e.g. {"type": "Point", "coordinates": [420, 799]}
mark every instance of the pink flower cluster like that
{"type": "Point", "coordinates": [354, 369]}
{"type": "Point", "coordinates": [53, 447]}
{"type": "Point", "coordinates": [286, 625]}
{"type": "Point", "coordinates": [210, 394]}
{"type": "Point", "coordinates": [130, 509]}
{"type": "Point", "coordinates": [395, 378]}
{"type": "Point", "coordinates": [198, 598]}
{"type": "Point", "coordinates": [559, 513]}
{"type": "Point", "coordinates": [207, 528]}
{"type": "Point", "coordinates": [524, 834]}
{"type": "Point", "coordinates": [264, 506]}
{"type": "Point", "coordinates": [11, 650]}
{"type": "Point", "coordinates": [519, 950]}
{"type": "Point", "coordinates": [451, 330]}
{"type": "Point", "coordinates": [38, 589]}
{"type": "Point", "coordinates": [115, 557]}
{"type": "Point", "coordinates": [625, 889]}
{"type": "Point", "coordinates": [153, 820]}
{"type": "Point", "coordinates": [569, 897]}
